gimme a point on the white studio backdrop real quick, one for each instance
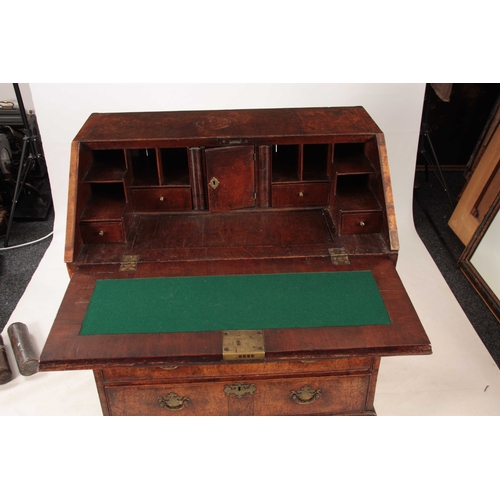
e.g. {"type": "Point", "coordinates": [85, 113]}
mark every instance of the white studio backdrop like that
{"type": "Point", "coordinates": [411, 385]}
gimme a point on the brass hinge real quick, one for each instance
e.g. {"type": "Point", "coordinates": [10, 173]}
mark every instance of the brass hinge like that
{"type": "Point", "coordinates": [243, 345]}
{"type": "Point", "coordinates": [339, 256]}
{"type": "Point", "coordinates": [129, 263]}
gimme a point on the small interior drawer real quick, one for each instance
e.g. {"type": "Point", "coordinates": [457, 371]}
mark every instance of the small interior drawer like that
{"type": "Point", "coordinates": [361, 223]}
{"type": "Point", "coordinates": [102, 232]}
{"type": "Point", "coordinates": [162, 199]}
{"type": "Point", "coordinates": [300, 195]}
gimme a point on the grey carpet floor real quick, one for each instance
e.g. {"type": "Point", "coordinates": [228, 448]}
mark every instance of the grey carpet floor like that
{"type": "Point", "coordinates": [431, 213]}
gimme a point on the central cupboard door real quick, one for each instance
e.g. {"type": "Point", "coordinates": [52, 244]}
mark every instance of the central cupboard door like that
{"type": "Point", "coordinates": [231, 178]}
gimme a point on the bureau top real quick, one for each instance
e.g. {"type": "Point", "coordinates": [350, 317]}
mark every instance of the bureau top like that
{"type": "Point", "coordinates": [126, 129]}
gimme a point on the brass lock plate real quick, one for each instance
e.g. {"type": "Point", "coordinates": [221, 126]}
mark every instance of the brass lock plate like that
{"type": "Point", "coordinates": [243, 345]}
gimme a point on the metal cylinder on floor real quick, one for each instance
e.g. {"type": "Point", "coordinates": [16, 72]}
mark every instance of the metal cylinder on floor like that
{"type": "Point", "coordinates": [24, 352]}
{"type": "Point", "coordinates": [5, 371]}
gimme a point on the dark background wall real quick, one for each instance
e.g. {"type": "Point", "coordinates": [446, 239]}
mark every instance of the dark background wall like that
{"type": "Point", "coordinates": [456, 126]}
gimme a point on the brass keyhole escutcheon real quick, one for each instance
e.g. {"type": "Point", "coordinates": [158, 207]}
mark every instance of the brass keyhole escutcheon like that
{"type": "Point", "coordinates": [214, 183]}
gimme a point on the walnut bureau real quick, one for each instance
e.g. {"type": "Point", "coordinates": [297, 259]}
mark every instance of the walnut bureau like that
{"type": "Point", "coordinates": [235, 262]}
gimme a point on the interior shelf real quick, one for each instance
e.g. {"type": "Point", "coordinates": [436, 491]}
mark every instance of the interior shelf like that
{"type": "Point", "coordinates": [144, 167]}
{"type": "Point", "coordinates": [106, 202]}
{"type": "Point", "coordinates": [286, 163]}
{"type": "Point", "coordinates": [354, 194]}
{"type": "Point", "coordinates": [174, 166]}
{"type": "Point", "coordinates": [315, 162]}
{"type": "Point", "coordinates": [106, 166]}
{"type": "Point", "coordinates": [351, 159]}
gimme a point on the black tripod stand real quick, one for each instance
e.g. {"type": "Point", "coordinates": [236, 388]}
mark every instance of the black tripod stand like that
{"type": "Point", "coordinates": [31, 156]}
{"type": "Point", "coordinates": [426, 149]}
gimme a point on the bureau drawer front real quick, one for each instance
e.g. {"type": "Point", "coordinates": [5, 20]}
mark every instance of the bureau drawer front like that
{"type": "Point", "coordinates": [336, 395]}
{"type": "Point", "coordinates": [171, 400]}
{"type": "Point", "coordinates": [102, 232]}
{"type": "Point", "coordinates": [162, 199]}
{"type": "Point", "coordinates": [361, 223]}
{"type": "Point", "coordinates": [300, 195]}
{"type": "Point", "coordinates": [290, 396]}
{"type": "Point", "coordinates": [181, 374]}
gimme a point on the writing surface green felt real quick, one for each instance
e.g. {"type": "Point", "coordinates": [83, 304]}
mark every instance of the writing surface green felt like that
{"type": "Point", "coordinates": [243, 302]}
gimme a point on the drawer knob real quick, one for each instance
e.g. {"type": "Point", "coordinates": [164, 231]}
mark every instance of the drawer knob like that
{"type": "Point", "coordinates": [162, 198]}
{"type": "Point", "coordinates": [173, 402]}
{"type": "Point", "coordinates": [301, 194]}
{"type": "Point", "coordinates": [362, 223]}
{"type": "Point", "coordinates": [305, 395]}
{"type": "Point", "coordinates": [101, 233]}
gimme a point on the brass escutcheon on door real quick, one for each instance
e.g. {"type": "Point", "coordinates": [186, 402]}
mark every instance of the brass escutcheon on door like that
{"type": "Point", "coordinates": [214, 183]}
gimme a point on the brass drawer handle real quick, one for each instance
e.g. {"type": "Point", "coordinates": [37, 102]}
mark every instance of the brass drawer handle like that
{"type": "Point", "coordinates": [174, 402]}
{"type": "Point", "coordinates": [305, 395]}
{"type": "Point", "coordinates": [162, 198]}
{"type": "Point", "coordinates": [101, 233]}
{"type": "Point", "coordinates": [301, 194]}
{"type": "Point", "coordinates": [362, 223]}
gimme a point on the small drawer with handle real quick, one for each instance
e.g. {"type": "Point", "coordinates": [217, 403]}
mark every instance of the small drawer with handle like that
{"type": "Point", "coordinates": [300, 195]}
{"type": "Point", "coordinates": [361, 223]}
{"type": "Point", "coordinates": [102, 232]}
{"type": "Point", "coordinates": [162, 199]}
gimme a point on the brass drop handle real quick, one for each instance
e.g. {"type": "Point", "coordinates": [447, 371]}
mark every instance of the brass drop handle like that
{"type": "Point", "coordinates": [305, 395]}
{"type": "Point", "coordinates": [174, 402]}
{"type": "Point", "coordinates": [362, 223]}
{"type": "Point", "coordinates": [101, 233]}
{"type": "Point", "coordinates": [162, 198]}
{"type": "Point", "coordinates": [301, 194]}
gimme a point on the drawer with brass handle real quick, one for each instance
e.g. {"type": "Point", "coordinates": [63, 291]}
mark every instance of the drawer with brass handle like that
{"type": "Point", "coordinates": [170, 400]}
{"type": "Point", "coordinates": [336, 395]}
{"type": "Point", "coordinates": [329, 395]}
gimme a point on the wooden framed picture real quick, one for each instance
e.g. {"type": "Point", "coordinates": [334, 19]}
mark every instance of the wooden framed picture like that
{"type": "Point", "coordinates": [480, 261]}
{"type": "Point", "coordinates": [483, 185]}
